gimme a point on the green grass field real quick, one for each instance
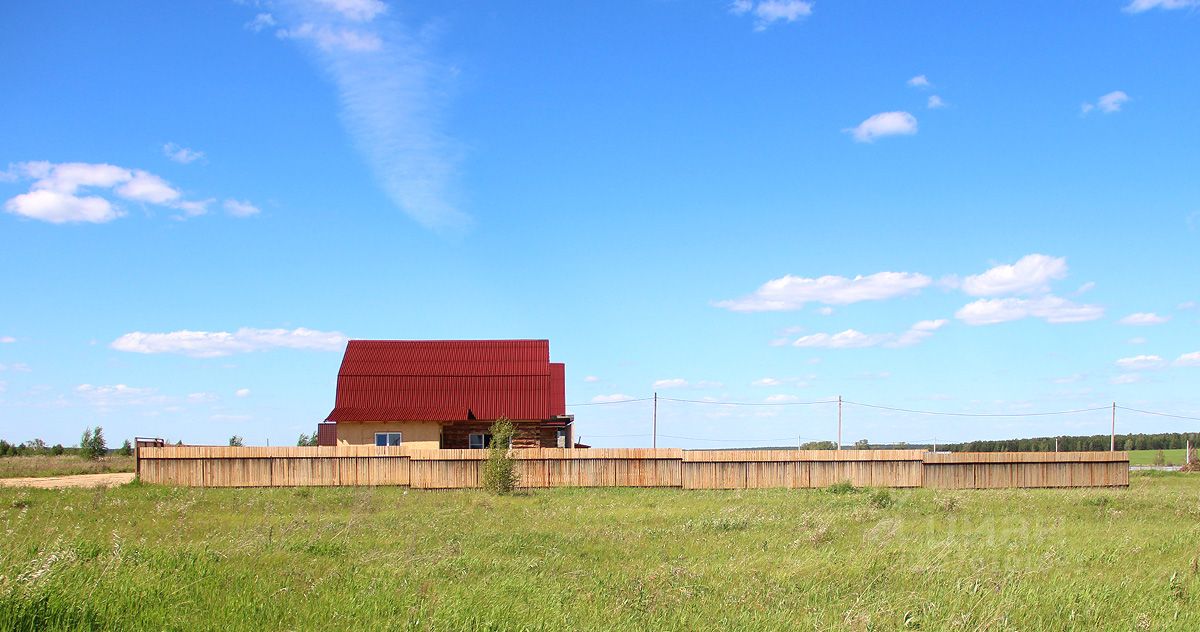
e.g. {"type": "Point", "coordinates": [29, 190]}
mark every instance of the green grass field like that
{"type": "Point", "coordinates": [62, 465]}
{"type": "Point", "coordinates": [153, 558]}
{"type": "Point", "coordinates": [1146, 457]}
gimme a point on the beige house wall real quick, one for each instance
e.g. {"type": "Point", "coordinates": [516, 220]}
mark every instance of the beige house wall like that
{"type": "Point", "coordinates": [414, 434]}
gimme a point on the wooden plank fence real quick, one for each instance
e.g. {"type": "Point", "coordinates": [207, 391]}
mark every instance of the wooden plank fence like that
{"type": "Point", "coordinates": [201, 466]}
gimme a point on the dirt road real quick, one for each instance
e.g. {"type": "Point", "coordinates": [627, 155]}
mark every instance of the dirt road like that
{"type": "Point", "coordinates": [79, 480]}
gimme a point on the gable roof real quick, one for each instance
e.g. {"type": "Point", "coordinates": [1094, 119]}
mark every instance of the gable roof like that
{"type": "Point", "coordinates": [448, 380]}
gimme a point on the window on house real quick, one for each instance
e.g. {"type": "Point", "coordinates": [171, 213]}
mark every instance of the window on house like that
{"type": "Point", "coordinates": [479, 440]}
{"type": "Point", "coordinates": [387, 438]}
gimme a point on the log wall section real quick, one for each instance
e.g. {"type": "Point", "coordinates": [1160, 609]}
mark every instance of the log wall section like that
{"type": "Point", "coordinates": [202, 466]}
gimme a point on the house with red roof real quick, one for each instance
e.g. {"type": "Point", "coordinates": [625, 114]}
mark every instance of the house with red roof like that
{"type": "Point", "coordinates": [447, 393]}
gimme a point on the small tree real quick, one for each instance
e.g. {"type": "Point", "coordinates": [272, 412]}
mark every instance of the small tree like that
{"type": "Point", "coordinates": [58, 449]}
{"type": "Point", "coordinates": [307, 439]}
{"type": "Point", "coordinates": [236, 442]}
{"type": "Point", "coordinates": [500, 470]}
{"type": "Point", "coordinates": [92, 444]}
{"type": "Point", "coordinates": [862, 444]}
{"type": "Point", "coordinates": [1160, 458]}
{"type": "Point", "coordinates": [126, 449]}
{"type": "Point", "coordinates": [35, 445]}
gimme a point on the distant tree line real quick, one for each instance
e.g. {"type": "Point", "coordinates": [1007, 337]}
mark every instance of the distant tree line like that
{"type": "Point", "coordinates": [1160, 441]}
{"type": "Point", "coordinates": [92, 445]}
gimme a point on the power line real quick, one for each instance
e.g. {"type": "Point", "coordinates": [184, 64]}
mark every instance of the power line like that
{"type": "Point", "coordinates": [705, 401]}
{"type": "Point", "coordinates": [950, 414]}
{"type": "Point", "coordinates": [725, 440]}
{"type": "Point", "coordinates": [1151, 412]}
{"type": "Point", "coordinates": [619, 401]}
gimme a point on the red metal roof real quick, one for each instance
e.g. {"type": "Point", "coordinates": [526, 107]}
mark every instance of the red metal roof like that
{"type": "Point", "coordinates": [448, 380]}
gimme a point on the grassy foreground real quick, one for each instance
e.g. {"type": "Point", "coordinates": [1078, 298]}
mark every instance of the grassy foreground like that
{"type": "Point", "coordinates": [148, 557]}
{"type": "Point", "coordinates": [1146, 457]}
{"type": "Point", "coordinates": [62, 465]}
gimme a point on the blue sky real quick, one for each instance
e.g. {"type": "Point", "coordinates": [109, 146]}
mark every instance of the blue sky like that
{"type": "Point", "coordinates": [973, 207]}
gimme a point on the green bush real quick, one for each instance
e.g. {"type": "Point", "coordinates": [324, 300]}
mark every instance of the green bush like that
{"type": "Point", "coordinates": [842, 487]}
{"type": "Point", "coordinates": [236, 442]}
{"type": "Point", "coordinates": [500, 470]}
{"type": "Point", "coordinates": [882, 499]}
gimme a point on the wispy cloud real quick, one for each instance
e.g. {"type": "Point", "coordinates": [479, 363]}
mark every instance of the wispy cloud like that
{"type": "Point", "coordinates": [1030, 274]}
{"type": "Point", "coordinates": [854, 339]}
{"type": "Point", "coordinates": [935, 102]}
{"type": "Point", "coordinates": [792, 292]}
{"type": "Point", "coordinates": [884, 124]}
{"type": "Point", "coordinates": [79, 192]}
{"type": "Point", "coordinates": [1188, 359]}
{"type": "Point", "coordinates": [1141, 362]}
{"type": "Point", "coordinates": [919, 81]}
{"type": "Point", "coordinates": [615, 397]}
{"type": "Point", "coordinates": [1107, 104]}
{"type": "Point", "coordinates": [768, 12]}
{"type": "Point", "coordinates": [210, 344]}
{"type": "Point", "coordinates": [1143, 319]}
{"type": "Point", "coordinates": [240, 208]}
{"type": "Point", "coordinates": [182, 155]}
{"type": "Point", "coordinates": [1140, 6]}
{"type": "Point", "coordinates": [392, 93]}
{"type": "Point", "coordinates": [1052, 309]}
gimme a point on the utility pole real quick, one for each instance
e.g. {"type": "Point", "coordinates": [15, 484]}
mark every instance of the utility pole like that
{"type": "Point", "coordinates": [935, 444]}
{"type": "Point", "coordinates": [1056, 444]}
{"type": "Point", "coordinates": [839, 422]}
{"type": "Point", "coordinates": [654, 423]}
{"type": "Point", "coordinates": [1113, 446]}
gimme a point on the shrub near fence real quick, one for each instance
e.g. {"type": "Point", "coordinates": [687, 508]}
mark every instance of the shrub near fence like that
{"type": "Point", "coordinates": [628, 467]}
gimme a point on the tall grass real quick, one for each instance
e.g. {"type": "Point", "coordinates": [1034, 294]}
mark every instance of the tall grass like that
{"type": "Point", "coordinates": [62, 465]}
{"type": "Point", "coordinates": [149, 557]}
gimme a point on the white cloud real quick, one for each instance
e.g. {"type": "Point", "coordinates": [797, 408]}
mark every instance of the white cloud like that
{"type": "Point", "coordinates": [260, 22]}
{"type": "Point", "coordinates": [1070, 379]}
{"type": "Point", "coordinates": [209, 344]}
{"type": "Point", "coordinates": [16, 367]}
{"type": "Point", "coordinates": [1144, 318]}
{"type": "Point", "coordinates": [1126, 378]}
{"type": "Point", "coordinates": [1052, 309]}
{"type": "Point", "coordinates": [183, 155]}
{"type": "Point", "coordinates": [55, 195]}
{"type": "Point", "coordinates": [391, 94]}
{"type": "Point", "coordinates": [918, 332]}
{"type": "Point", "coordinates": [357, 10]}
{"type": "Point", "coordinates": [934, 102]}
{"type": "Point", "coordinates": [62, 208]}
{"type": "Point", "coordinates": [7, 340]}
{"type": "Point", "coordinates": [242, 392]}
{"type": "Point", "coordinates": [1029, 275]}
{"type": "Point", "coordinates": [147, 187]}
{"type": "Point", "coordinates": [792, 292]}
{"type": "Point", "coordinates": [201, 398]}
{"type": "Point", "coordinates": [615, 397]}
{"type": "Point", "coordinates": [781, 399]}
{"type": "Point", "coordinates": [848, 339]}
{"type": "Point", "coordinates": [919, 81]}
{"type": "Point", "coordinates": [1188, 359]}
{"type": "Point", "coordinates": [1139, 6]}
{"type": "Point", "coordinates": [767, 12]}
{"type": "Point", "coordinates": [241, 208]}
{"type": "Point", "coordinates": [884, 124]}
{"type": "Point", "coordinates": [1108, 103]}
{"type": "Point", "coordinates": [1085, 288]}
{"type": "Point", "coordinates": [1136, 340]}
{"type": "Point", "coordinates": [767, 381]}
{"type": "Point", "coordinates": [591, 379]}
{"type": "Point", "coordinates": [825, 311]}
{"type": "Point", "coordinates": [1186, 305]}
{"type": "Point", "coordinates": [676, 382]}
{"type": "Point", "coordinates": [334, 40]}
{"type": "Point", "coordinates": [1141, 363]}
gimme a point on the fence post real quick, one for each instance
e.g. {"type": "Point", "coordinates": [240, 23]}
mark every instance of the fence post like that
{"type": "Point", "coordinates": [1113, 446]}
{"type": "Point", "coordinates": [839, 422]}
